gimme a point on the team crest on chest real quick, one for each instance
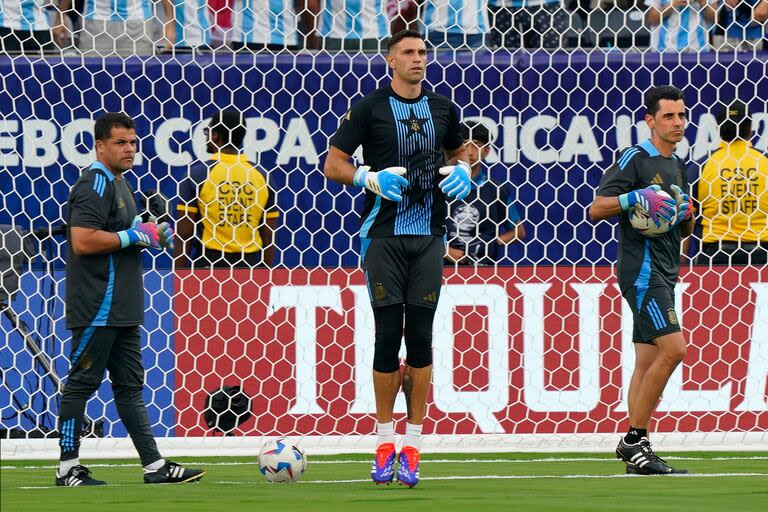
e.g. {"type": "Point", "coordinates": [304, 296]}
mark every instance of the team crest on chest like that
{"type": "Point", "coordinates": [414, 124]}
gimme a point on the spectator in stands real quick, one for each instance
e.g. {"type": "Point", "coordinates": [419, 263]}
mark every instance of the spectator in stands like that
{"type": "Point", "coordinates": [403, 15]}
{"type": "Point", "coordinates": [354, 25]}
{"type": "Point", "coordinates": [221, 20]}
{"type": "Point", "coordinates": [528, 23]}
{"type": "Point", "coordinates": [24, 27]}
{"type": "Point", "coordinates": [739, 25]}
{"type": "Point", "coordinates": [273, 25]}
{"type": "Point", "coordinates": [111, 29]}
{"type": "Point", "coordinates": [187, 25]}
{"type": "Point", "coordinates": [731, 189]}
{"type": "Point", "coordinates": [486, 220]}
{"type": "Point", "coordinates": [456, 24]}
{"type": "Point", "coordinates": [228, 201]}
{"type": "Point", "coordinates": [680, 25]}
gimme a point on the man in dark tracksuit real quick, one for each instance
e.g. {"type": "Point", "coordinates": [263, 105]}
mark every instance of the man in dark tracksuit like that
{"type": "Point", "coordinates": [105, 304]}
{"type": "Point", "coordinates": [648, 267]}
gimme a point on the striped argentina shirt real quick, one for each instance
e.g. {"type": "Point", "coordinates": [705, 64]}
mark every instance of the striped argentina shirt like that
{"type": "Point", "coordinates": [193, 22]}
{"type": "Point", "coordinates": [117, 10]}
{"type": "Point", "coordinates": [685, 30]}
{"type": "Point", "coordinates": [25, 15]}
{"type": "Point", "coordinates": [456, 16]}
{"type": "Point", "coordinates": [264, 22]}
{"type": "Point", "coordinates": [354, 19]}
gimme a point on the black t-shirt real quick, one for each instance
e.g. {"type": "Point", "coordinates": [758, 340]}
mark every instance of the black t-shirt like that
{"type": "Point", "coordinates": [411, 133]}
{"type": "Point", "coordinates": [475, 222]}
{"type": "Point", "coordinates": [645, 262]}
{"type": "Point", "coordinates": [103, 289]}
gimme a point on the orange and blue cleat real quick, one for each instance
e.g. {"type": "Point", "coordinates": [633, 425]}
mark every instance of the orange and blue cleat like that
{"type": "Point", "coordinates": [408, 474]}
{"type": "Point", "coordinates": [383, 470]}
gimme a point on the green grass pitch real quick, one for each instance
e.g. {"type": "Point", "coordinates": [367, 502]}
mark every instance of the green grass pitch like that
{"type": "Point", "coordinates": [464, 482]}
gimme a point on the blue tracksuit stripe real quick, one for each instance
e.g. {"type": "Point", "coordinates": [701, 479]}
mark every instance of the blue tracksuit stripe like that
{"type": "Point", "coordinates": [656, 315]}
{"type": "Point", "coordinates": [626, 157]}
{"type": "Point", "coordinates": [644, 277]}
{"type": "Point", "coordinates": [68, 435]}
{"type": "Point", "coordinates": [364, 244]}
{"type": "Point", "coordinates": [71, 434]}
{"type": "Point", "coordinates": [102, 315]}
{"type": "Point", "coordinates": [100, 185]}
{"type": "Point", "coordinates": [87, 335]}
{"type": "Point", "coordinates": [366, 227]}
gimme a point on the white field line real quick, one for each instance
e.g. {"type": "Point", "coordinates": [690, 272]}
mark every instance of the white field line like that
{"type": "Point", "coordinates": [423, 461]}
{"type": "Point", "coordinates": [469, 477]}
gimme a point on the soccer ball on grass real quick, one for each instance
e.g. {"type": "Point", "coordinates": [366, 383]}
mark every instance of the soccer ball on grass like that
{"type": "Point", "coordinates": [281, 461]}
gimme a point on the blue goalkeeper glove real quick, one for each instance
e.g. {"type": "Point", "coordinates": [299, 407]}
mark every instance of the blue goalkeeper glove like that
{"type": "Point", "coordinates": [143, 234]}
{"type": "Point", "coordinates": [387, 183]}
{"type": "Point", "coordinates": [458, 182]}
{"type": "Point", "coordinates": [657, 206]}
{"type": "Point", "coordinates": [684, 204]}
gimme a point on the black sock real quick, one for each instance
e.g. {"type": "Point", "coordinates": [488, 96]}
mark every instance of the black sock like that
{"type": "Point", "coordinates": [635, 434]}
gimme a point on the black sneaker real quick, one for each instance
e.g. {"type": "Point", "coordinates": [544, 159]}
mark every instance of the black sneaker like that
{"type": "Point", "coordinates": [76, 476]}
{"type": "Point", "coordinates": [173, 473]}
{"type": "Point", "coordinates": [641, 460]}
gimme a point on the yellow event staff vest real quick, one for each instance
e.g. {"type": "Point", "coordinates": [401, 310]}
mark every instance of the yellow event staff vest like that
{"type": "Point", "coordinates": [733, 194]}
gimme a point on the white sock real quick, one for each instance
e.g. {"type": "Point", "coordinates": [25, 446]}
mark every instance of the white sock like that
{"type": "Point", "coordinates": [154, 466]}
{"type": "Point", "coordinates": [66, 465]}
{"type": "Point", "coordinates": [412, 436]}
{"type": "Point", "coordinates": [386, 433]}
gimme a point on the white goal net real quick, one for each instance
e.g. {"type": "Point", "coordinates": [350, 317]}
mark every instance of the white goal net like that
{"type": "Point", "coordinates": [533, 352]}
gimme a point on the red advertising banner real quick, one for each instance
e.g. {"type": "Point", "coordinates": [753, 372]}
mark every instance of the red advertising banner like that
{"type": "Point", "coordinates": [516, 351]}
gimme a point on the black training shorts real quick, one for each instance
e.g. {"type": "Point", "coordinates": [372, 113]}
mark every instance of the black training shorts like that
{"type": "Point", "coordinates": [653, 313]}
{"type": "Point", "coordinates": [404, 269]}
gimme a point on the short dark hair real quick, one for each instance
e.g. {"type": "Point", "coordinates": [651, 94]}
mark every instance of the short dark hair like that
{"type": "Point", "coordinates": [403, 34]}
{"type": "Point", "coordinates": [103, 127]}
{"type": "Point", "coordinates": [229, 125]}
{"type": "Point", "coordinates": [472, 130]}
{"type": "Point", "coordinates": [733, 118]}
{"type": "Point", "coordinates": [656, 94]}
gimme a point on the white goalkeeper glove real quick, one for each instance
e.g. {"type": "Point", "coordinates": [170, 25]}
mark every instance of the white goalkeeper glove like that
{"type": "Point", "coordinates": [387, 183]}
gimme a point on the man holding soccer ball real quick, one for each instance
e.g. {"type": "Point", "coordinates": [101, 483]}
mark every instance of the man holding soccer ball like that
{"type": "Point", "coordinates": [414, 159]}
{"type": "Point", "coordinates": [648, 267]}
